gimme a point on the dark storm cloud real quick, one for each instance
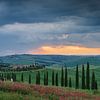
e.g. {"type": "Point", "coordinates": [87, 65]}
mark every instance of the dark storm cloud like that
{"type": "Point", "coordinates": [30, 24]}
{"type": "Point", "coordinates": [30, 11]}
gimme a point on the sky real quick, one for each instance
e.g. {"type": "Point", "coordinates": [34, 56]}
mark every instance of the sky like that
{"type": "Point", "coordinates": [66, 27]}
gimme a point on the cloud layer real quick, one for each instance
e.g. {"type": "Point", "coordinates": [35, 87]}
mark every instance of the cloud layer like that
{"type": "Point", "coordinates": [28, 25]}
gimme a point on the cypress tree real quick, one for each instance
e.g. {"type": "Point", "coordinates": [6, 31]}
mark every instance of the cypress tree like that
{"type": "Point", "coordinates": [83, 77]}
{"type": "Point", "coordinates": [66, 77]}
{"type": "Point", "coordinates": [56, 79]}
{"type": "Point", "coordinates": [96, 85]}
{"type": "Point", "coordinates": [29, 78]}
{"type": "Point", "coordinates": [44, 78]}
{"type": "Point", "coordinates": [14, 77]}
{"type": "Point", "coordinates": [52, 77]}
{"type": "Point", "coordinates": [22, 79]}
{"type": "Point", "coordinates": [93, 81]}
{"type": "Point", "coordinates": [8, 76]}
{"type": "Point", "coordinates": [88, 76]}
{"type": "Point", "coordinates": [77, 78]}
{"type": "Point", "coordinates": [70, 82]}
{"type": "Point", "coordinates": [62, 77]}
{"type": "Point", "coordinates": [38, 76]}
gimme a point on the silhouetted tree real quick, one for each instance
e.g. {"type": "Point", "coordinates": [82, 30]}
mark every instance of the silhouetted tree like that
{"type": "Point", "coordinates": [70, 82]}
{"type": "Point", "coordinates": [93, 81]}
{"type": "Point", "coordinates": [83, 77]}
{"type": "Point", "coordinates": [29, 78]}
{"type": "Point", "coordinates": [88, 76]}
{"type": "Point", "coordinates": [46, 81]}
{"type": "Point", "coordinates": [62, 77]}
{"type": "Point", "coordinates": [56, 79]}
{"type": "Point", "coordinates": [38, 77]}
{"type": "Point", "coordinates": [53, 77]}
{"type": "Point", "coordinates": [14, 77]}
{"type": "Point", "coordinates": [66, 77]}
{"type": "Point", "coordinates": [8, 76]}
{"type": "Point", "coordinates": [44, 78]}
{"type": "Point", "coordinates": [22, 79]}
{"type": "Point", "coordinates": [96, 85]}
{"type": "Point", "coordinates": [77, 78]}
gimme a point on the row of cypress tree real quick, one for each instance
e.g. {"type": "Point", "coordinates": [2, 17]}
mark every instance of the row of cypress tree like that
{"type": "Point", "coordinates": [87, 82]}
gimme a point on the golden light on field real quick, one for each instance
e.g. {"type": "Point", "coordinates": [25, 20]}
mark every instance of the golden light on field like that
{"type": "Point", "coordinates": [66, 50]}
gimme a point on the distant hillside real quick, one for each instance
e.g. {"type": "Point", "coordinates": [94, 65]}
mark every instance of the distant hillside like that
{"type": "Point", "coordinates": [50, 60]}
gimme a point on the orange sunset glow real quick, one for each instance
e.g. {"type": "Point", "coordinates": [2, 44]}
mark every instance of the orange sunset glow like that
{"type": "Point", "coordinates": [67, 50]}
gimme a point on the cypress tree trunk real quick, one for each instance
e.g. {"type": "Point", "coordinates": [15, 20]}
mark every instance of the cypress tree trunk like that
{"type": "Point", "coordinates": [77, 78]}
{"type": "Point", "coordinates": [83, 77]}
{"type": "Point", "coordinates": [29, 78]}
{"type": "Point", "coordinates": [22, 77]}
{"type": "Point", "coordinates": [93, 81]}
{"type": "Point", "coordinates": [52, 77]}
{"type": "Point", "coordinates": [62, 77]}
{"type": "Point", "coordinates": [88, 76]}
{"type": "Point", "coordinates": [70, 82]}
{"type": "Point", "coordinates": [56, 79]}
{"type": "Point", "coordinates": [66, 78]}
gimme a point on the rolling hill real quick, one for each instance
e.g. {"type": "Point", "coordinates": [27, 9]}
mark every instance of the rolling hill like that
{"type": "Point", "coordinates": [50, 60]}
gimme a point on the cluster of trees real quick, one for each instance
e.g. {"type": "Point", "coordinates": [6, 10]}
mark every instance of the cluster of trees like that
{"type": "Point", "coordinates": [87, 81]}
{"type": "Point", "coordinates": [5, 68]}
{"type": "Point", "coordinates": [8, 76]}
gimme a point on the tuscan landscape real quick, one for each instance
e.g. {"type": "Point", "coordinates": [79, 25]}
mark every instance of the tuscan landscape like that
{"type": "Point", "coordinates": [49, 50]}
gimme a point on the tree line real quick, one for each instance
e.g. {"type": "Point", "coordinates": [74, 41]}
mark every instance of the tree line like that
{"type": "Point", "coordinates": [86, 82]}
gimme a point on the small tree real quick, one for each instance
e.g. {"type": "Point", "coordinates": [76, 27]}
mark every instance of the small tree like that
{"type": "Point", "coordinates": [70, 82]}
{"type": "Point", "coordinates": [29, 78]}
{"type": "Point", "coordinates": [14, 77]}
{"type": "Point", "coordinates": [8, 76]}
{"type": "Point", "coordinates": [88, 76]}
{"type": "Point", "coordinates": [56, 79]}
{"type": "Point", "coordinates": [52, 77]}
{"type": "Point", "coordinates": [38, 78]}
{"type": "Point", "coordinates": [77, 78]}
{"type": "Point", "coordinates": [83, 77]}
{"type": "Point", "coordinates": [93, 82]}
{"type": "Point", "coordinates": [66, 77]}
{"type": "Point", "coordinates": [22, 79]}
{"type": "Point", "coordinates": [96, 85]}
{"type": "Point", "coordinates": [46, 78]}
{"type": "Point", "coordinates": [62, 77]}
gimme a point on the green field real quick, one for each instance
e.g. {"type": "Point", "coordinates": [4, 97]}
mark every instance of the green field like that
{"type": "Point", "coordinates": [71, 73]}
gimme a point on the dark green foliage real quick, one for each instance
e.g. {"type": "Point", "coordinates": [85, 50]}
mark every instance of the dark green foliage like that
{"type": "Point", "coordinates": [62, 77]}
{"type": "Point", "coordinates": [66, 77]}
{"type": "Point", "coordinates": [88, 76]}
{"type": "Point", "coordinates": [14, 77]}
{"type": "Point", "coordinates": [38, 78]}
{"type": "Point", "coordinates": [29, 78]}
{"type": "Point", "coordinates": [83, 77]}
{"type": "Point", "coordinates": [46, 79]}
{"type": "Point", "coordinates": [56, 81]}
{"type": "Point", "coordinates": [96, 85]}
{"type": "Point", "coordinates": [70, 82]}
{"type": "Point", "coordinates": [8, 76]}
{"type": "Point", "coordinates": [22, 77]}
{"type": "Point", "coordinates": [77, 78]}
{"type": "Point", "coordinates": [93, 82]}
{"type": "Point", "coordinates": [53, 77]}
